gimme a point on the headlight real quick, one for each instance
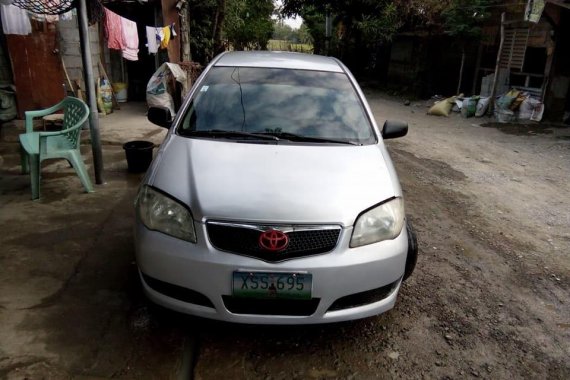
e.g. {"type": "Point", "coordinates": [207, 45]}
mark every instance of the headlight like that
{"type": "Point", "coordinates": [383, 222]}
{"type": "Point", "coordinates": [161, 213]}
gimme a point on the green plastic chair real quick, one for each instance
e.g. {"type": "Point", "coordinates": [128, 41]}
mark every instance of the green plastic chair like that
{"type": "Point", "coordinates": [39, 146]}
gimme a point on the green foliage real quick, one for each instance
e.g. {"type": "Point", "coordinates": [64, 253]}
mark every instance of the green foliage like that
{"type": "Point", "coordinates": [304, 34]}
{"type": "Point", "coordinates": [359, 26]}
{"type": "Point", "coordinates": [284, 32]}
{"type": "Point", "coordinates": [314, 22]}
{"type": "Point", "coordinates": [381, 26]}
{"type": "Point", "coordinates": [463, 18]}
{"type": "Point", "coordinates": [202, 15]}
{"type": "Point", "coordinates": [248, 23]}
{"type": "Point", "coordinates": [241, 24]}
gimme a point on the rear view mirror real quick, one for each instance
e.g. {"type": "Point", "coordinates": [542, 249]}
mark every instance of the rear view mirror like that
{"type": "Point", "coordinates": [393, 129]}
{"type": "Point", "coordinates": [160, 116]}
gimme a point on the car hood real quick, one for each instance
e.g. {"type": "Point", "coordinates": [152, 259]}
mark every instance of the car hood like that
{"type": "Point", "coordinates": [269, 183]}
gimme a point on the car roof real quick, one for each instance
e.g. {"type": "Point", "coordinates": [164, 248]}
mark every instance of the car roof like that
{"type": "Point", "coordinates": [279, 60]}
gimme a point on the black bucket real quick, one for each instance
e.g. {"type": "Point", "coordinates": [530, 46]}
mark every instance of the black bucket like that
{"type": "Point", "coordinates": [139, 155]}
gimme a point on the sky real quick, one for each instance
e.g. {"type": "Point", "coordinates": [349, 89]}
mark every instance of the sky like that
{"type": "Point", "coordinates": [294, 23]}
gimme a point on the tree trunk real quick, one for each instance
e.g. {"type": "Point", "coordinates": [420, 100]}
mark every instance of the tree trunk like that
{"type": "Point", "coordinates": [185, 33]}
{"type": "Point", "coordinates": [461, 70]}
{"type": "Point", "coordinates": [218, 26]}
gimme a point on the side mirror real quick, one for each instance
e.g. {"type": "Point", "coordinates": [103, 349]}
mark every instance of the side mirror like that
{"type": "Point", "coordinates": [160, 116]}
{"type": "Point", "coordinates": [393, 129]}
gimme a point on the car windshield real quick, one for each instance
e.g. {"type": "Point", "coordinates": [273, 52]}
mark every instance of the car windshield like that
{"type": "Point", "coordinates": [296, 105]}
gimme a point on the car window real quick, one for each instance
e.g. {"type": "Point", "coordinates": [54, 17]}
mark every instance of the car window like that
{"type": "Point", "coordinates": [256, 100]}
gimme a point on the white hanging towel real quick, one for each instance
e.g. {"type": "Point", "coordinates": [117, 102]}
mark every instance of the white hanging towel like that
{"type": "Point", "coordinates": [15, 20]}
{"type": "Point", "coordinates": [130, 39]}
{"type": "Point", "coordinates": [151, 40]}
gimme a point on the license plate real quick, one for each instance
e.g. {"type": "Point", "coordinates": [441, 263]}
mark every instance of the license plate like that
{"type": "Point", "coordinates": [272, 285]}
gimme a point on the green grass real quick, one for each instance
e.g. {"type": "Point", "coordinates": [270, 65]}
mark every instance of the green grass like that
{"type": "Point", "coordinates": [282, 45]}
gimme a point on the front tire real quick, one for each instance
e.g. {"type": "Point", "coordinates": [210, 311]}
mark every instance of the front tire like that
{"type": "Point", "coordinates": [412, 257]}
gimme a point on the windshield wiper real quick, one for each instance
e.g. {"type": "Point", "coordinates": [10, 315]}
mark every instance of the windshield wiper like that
{"type": "Point", "coordinates": [295, 137]}
{"type": "Point", "coordinates": [223, 133]}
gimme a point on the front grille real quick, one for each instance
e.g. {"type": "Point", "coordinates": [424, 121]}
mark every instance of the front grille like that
{"type": "Point", "coordinates": [177, 292]}
{"type": "Point", "coordinates": [299, 308]}
{"type": "Point", "coordinates": [244, 240]}
{"type": "Point", "coordinates": [363, 298]}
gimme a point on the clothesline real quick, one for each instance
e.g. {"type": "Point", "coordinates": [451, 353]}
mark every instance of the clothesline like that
{"type": "Point", "coordinates": [122, 34]}
{"type": "Point", "coordinates": [16, 20]}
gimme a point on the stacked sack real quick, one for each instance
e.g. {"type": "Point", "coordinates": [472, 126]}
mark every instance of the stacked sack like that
{"type": "Point", "coordinates": [514, 101]}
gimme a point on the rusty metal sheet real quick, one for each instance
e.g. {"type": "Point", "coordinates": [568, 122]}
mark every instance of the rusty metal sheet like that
{"type": "Point", "coordinates": [36, 64]}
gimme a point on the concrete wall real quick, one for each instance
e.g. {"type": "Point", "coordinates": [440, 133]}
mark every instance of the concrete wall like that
{"type": "Point", "coordinates": [71, 50]}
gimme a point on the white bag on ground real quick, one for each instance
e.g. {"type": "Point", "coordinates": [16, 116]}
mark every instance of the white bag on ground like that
{"type": "Point", "coordinates": [531, 109]}
{"type": "Point", "coordinates": [159, 87]}
{"type": "Point", "coordinates": [482, 106]}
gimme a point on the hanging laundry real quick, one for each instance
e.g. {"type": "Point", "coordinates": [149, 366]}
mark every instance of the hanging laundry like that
{"type": "Point", "coordinates": [15, 20]}
{"type": "Point", "coordinates": [52, 18]}
{"type": "Point", "coordinates": [159, 36]}
{"type": "Point", "coordinates": [130, 39]}
{"type": "Point", "coordinates": [113, 30]}
{"type": "Point", "coordinates": [172, 31]}
{"type": "Point", "coordinates": [67, 16]}
{"type": "Point", "coordinates": [166, 37]}
{"type": "Point", "coordinates": [152, 42]}
{"type": "Point", "coordinates": [41, 17]}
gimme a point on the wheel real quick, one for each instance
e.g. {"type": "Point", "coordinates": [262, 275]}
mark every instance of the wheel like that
{"type": "Point", "coordinates": [412, 257]}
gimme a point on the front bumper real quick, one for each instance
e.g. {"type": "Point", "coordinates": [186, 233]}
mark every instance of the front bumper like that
{"type": "Point", "coordinates": [199, 270]}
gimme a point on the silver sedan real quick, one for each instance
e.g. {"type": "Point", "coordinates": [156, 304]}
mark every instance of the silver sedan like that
{"type": "Point", "coordinates": [273, 199]}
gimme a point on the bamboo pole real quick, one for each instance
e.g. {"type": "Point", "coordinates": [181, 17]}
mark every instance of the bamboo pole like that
{"type": "Point", "coordinates": [461, 71]}
{"type": "Point", "coordinates": [494, 88]}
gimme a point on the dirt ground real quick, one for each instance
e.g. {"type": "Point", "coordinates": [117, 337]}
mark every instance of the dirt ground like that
{"type": "Point", "coordinates": [489, 297]}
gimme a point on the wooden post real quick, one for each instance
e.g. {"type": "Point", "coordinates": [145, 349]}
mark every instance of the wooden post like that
{"type": "Point", "coordinates": [477, 69]}
{"type": "Point", "coordinates": [461, 70]}
{"type": "Point", "coordinates": [494, 88]}
{"type": "Point", "coordinates": [547, 68]}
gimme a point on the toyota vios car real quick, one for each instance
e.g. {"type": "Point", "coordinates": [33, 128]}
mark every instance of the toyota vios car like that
{"type": "Point", "coordinates": [273, 199]}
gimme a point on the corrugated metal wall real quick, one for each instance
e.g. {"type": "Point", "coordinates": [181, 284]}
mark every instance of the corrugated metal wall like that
{"type": "Point", "coordinates": [5, 68]}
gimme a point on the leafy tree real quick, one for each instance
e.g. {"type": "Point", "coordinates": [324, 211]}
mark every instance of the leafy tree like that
{"type": "Point", "coordinates": [462, 20]}
{"type": "Point", "coordinates": [304, 34]}
{"type": "Point", "coordinates": [248, 23]}
{"type": "Point", "coordinates": [215, 24]}
{"type": "Point", "coordinates": [360, 26]}
{"type": "Point", "coordinates": [284, 32]}
{"type": "Point", "coordinates": [201, 17]}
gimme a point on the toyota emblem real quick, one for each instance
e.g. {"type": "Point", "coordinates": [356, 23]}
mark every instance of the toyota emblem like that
{"type": "Point", "coordinates": [273, 240]}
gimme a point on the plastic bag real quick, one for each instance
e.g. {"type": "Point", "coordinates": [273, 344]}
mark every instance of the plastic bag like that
{"type": "Point", "coordinates": [106, 95]}
{"type": "Point", "coordinates": [7, 103]}
{"type": "Point", "coordinates": [469, 107]}
{"type": "Point", "coordinates": [482, 106]}
{"type": "Point", "coordinates": [537, 112]}
{"type": "Point", "coordinates": [518, 101]}
{"type": "Point", "coordinates": [442, 108]}
{"type": "Point", "coordinates": [157, 89]}
{"type": "Point", "coordinates": [531, 109]}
